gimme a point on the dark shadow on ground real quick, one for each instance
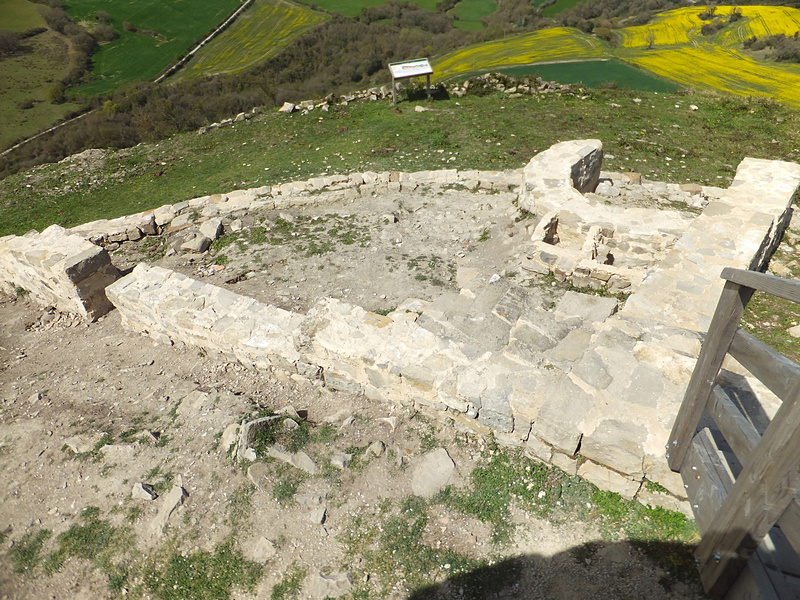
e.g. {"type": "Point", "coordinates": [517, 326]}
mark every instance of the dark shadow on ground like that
{"type": "Point", "coordinates": [596, 571]}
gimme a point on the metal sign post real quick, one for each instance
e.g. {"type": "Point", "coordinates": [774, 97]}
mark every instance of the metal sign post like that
{"type": "Point", "coordinates": [408, 69]}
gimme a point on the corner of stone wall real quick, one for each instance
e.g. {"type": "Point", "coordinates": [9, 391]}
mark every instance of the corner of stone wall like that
{"type": "Point", "coordinates": [567, 169]}
{"type": "Point", "coordinates": [58, 269]}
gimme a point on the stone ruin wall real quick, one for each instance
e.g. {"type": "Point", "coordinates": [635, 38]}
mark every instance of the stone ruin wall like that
{"type": "Point", "coordinates": [586, 386]}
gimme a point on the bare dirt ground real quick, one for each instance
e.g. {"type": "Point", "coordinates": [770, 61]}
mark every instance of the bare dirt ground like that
{"type": "Point", "coordinates": [64, 385]}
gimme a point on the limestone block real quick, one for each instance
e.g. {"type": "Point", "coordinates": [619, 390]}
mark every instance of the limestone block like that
{"type": "Point", "coordinates": [608, 480]}
{"type": "Point", "coordinates": [568, 464]}
{"type": "Point", "coordinates": [617, 444]}
{"type": "Point", "coordinates": [58, 269]}
{"type": "Point", "coordinates": [572, 166]}
{"type": "Point", "coordinates": [560, 417]}
{"type": "Point", "coordinates": [496, 410]}
{"type": "Point", "coordinates": [589, 308]}
{"type": "Point", "coordinates": [538, 449]}
{"type": "Point", "coordinates": [665, 501]}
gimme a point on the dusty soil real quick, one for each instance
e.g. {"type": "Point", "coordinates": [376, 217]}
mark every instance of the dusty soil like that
{"type": "Point", "coordinates": [66, 383]}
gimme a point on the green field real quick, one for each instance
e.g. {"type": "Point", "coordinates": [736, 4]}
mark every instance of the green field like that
{"type": "Point", "coordinates": [469, 13]}
{"type": "Point", "coordinates": [260, 32]}
{"type": "Point", "coordinates": [351, 8]}
{"type": "Point", "coordinates": [559, 6]}
{"type": "Point", "coordinates": [139, 57]}
{"type": "Point", "coordinates": [24, 80]}
{"type": "Point", "coordinates": [19, 15]}
{"type": "Point", "coordinates": [594, 73]}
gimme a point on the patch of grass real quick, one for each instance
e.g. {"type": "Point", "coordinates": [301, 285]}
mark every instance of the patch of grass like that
{"type": "Point", "coordinates": [25, 554]}
{"type": "Point", "coordinates": [20, 292]}
{"type": "Point", "coordinates": [287, 485]}
{"type": "Point", "coordinates": [290, 585]}
{"type": "Point", "coordinates": [395, 552]}
{"type": "Point", "coordinates": [240, 505]}
{"type": "Point", "coordinates": [202, 575]}
{"type": "Point", "coordinates": [92, 539]}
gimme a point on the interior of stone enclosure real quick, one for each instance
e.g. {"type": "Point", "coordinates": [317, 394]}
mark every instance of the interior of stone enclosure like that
{"type": "Point", "coordinates": [589, 383]}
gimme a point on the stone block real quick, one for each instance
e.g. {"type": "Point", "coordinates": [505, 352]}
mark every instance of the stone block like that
{"type": "Point", "coordinates": [608, 480]}
{"type": "Point", "coordinates": [593, 309]}
{"type": "Point", "coordinates": [560, 418]}
{"type": "Point", "coordinates": [568, 464]}
{"type": "Point", "coordinates": [617, 444]}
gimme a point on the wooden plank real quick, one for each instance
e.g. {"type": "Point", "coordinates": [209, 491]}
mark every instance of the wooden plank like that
{"type": "Point", "coordinates": [741, 435]}
{"type": "Point", "coordinates": [730, 307]}
{"type": "Point", "coordinates": [708, 481]}
{"type": "Point", "coordinates": [705, 478]}
{"type": "Point", "coordinates": [755, 583]}
{"type": "Point", "coordinates": [788, 289]}
{"type": "Point", "coordinates": [769, 366]}
{"type": "Point", "coordinates": [769, 481]}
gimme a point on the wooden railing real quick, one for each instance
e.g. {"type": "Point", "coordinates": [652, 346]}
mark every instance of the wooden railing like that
{"type": "Point", "coordinates": [741, 478]}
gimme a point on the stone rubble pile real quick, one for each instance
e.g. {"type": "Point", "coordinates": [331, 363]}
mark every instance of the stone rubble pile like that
{"type": "Point", "coordinates": [484, 84]}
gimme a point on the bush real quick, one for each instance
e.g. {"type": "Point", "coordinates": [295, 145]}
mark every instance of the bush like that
{"type": "Point", "coordinates": [9, 42]}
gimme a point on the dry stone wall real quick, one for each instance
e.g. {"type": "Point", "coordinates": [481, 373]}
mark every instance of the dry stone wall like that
{"type": "Point", "coordinates": [586, 385]}
{"type": "Point", "coordinates": [58, 269]}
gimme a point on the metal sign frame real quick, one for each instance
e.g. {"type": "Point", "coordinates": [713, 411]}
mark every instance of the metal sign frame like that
{"type": "Point", "coordinates": [410, 68]}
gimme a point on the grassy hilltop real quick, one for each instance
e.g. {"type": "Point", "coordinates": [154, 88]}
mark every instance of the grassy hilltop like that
{"type": "Point", "coordinates": [659, 135]}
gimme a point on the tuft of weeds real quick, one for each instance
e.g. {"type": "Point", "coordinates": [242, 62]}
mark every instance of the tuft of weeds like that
{"type": "Point", "coordinates": [95, 540]}
{"type": "Point", "coordinates": [289, 587]}
{"type": "Point", "coordinates": [25, 554]}
{"type": "Point", "coordinates": [203, 575]}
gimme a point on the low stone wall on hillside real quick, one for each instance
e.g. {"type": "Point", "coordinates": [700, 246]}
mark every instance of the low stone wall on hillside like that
{"type": "Point", "coordinates": [587, 385]}
{"type": "Point", "coordinates": [59, 270]}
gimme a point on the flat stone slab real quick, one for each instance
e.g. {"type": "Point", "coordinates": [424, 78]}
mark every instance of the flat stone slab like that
{"type": "Point", "coordinates": [432, 472]}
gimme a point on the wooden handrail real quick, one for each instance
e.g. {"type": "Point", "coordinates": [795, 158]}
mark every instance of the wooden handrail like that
{"type": "Point", "coordinates": [766, 488]}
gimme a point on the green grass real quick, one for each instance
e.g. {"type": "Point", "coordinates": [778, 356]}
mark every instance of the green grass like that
{"type": "Point", "coordinates": [92, 539]}
{"type": "Point", "coordinates": [25, 554]}
{"type": "Point", "coordinates": [471, 11]}
{"type": "Point", "coordinates": [139, 57]}
{"type": "Point", "coordinates": [202, 575]}
{"type": "Point", "coordinates": [391, 546]}
{"type": "Point", "coordinates": [20, 15]}
{"type": "Point", "coordinates": [595, 73]}
{"type": "Point", "coordinates": [559, 6]}
{"type": "Point", "coordinates": [486, 132]}
{"type": "Point", "coordinates": [289, 586]}
{"type": "Point", "coordinates": [351, 8]}
{"type": "Point", "coordinates": [258, 33]}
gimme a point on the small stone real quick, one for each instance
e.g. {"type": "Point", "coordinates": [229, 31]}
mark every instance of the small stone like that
{"type": "Point", "coordinates": [197, 244]}
{"type": "Point", "coordinates": [143, 491]}
{"type": "Point", "coordinates": [317, 515]}
{"type": "Point", "coordinates": [341, 460]}
{"type": "Point", "coordinates": [260, 550]}
{"type": "Point", "coordinates": [376, 448]}
{"type": "Point", "coordinates": [432, 472]}
{"type": "Point", "coordinates": [794, 331]}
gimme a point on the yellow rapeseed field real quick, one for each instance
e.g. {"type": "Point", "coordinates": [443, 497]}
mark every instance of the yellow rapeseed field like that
{"type": "Point", "coordinates": [717, 68]}
{"type": "Point", "coordinates": [667, 29]}
{"type": "Point", "coordinates": [671, 46]}
{"type": "Point", "coordinates": [260, 32]}
{"type": "Point", "coordinates": [547, 45]}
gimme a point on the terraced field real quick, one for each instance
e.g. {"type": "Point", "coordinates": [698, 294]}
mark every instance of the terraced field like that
{"type": "Point", "coordinates": [671, 47]}
{"type": "Point", "coordinates": [260, 32]}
